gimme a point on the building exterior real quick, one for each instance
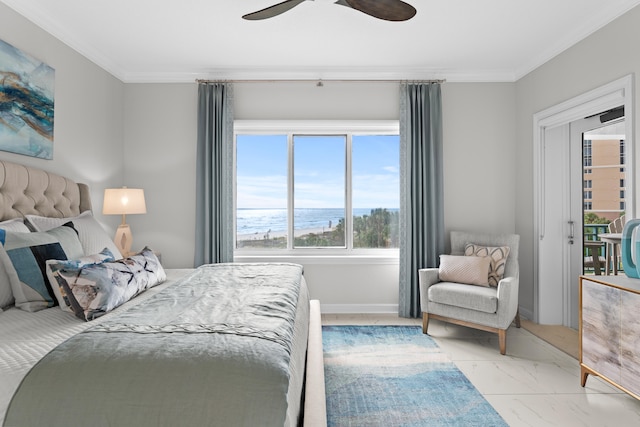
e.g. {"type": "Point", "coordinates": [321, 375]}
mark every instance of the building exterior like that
{"type": "Point", "coordinates": [604, 177]}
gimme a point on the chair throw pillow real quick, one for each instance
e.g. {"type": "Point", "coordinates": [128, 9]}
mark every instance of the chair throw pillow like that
{"type": "Point", "coordinates": [96, 289]}
{"type": "Point", "coordinates": [27, 254]}
{"type": "Point", "coordinates": [464, 269]}
{"type": "Point", "coordinates": [498, 256]}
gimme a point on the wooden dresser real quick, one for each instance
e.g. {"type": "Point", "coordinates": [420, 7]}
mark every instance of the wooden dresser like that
{"type": "Point", "coordinates": [610, 331]}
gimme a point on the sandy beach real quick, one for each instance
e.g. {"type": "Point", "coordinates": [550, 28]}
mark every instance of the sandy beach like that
{"type": "Point", "coordinates": [276, 234]}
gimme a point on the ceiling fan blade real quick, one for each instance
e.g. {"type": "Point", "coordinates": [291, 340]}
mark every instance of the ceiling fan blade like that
{"type": "Point", "coordinates": [389, 10]}
{"type": "Point", "coordinates": [272, 11]}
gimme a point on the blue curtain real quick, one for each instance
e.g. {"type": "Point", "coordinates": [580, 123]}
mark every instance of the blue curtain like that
{"type": "Point", "coordinates": [214, 174]}
{"type": "Point", "coordinates": [421, 189]}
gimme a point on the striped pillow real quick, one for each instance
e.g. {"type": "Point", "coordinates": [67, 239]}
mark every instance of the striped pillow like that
{"type": "Point", "coordinates": [498, 256]}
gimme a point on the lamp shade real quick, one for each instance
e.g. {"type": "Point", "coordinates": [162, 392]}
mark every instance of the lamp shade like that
{"type": "Point", "coordinates": [123, 201]}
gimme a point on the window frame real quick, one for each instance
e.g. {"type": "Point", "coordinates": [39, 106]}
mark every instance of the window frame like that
{"type": "Point", "coordinates": [314, 127]}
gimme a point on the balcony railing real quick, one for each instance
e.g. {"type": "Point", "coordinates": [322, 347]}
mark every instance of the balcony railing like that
{"type": "Point", "coordinates": [591, 232]}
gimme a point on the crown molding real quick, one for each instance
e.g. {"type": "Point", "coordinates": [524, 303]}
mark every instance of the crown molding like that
{"type": "Point", "coordinates": [75, 43]}
{"type": "Point", "coordinates": [581, 31]}
{"type": "Point", "coordinates": [327, 74]}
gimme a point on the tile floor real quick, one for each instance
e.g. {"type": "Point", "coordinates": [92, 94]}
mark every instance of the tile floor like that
{"type": "Point", "coordinates": [534, 384]}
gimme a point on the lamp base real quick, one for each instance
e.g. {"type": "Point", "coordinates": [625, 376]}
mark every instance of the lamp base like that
{"type": "Point", "coordinates": [123, 239]}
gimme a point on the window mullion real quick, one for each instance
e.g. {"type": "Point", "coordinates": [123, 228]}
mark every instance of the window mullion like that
{"type": "Point", "coordinates": [348, 194]}
{"type": "Point", "coordinates": [235, 192]}
{"type": "Point", "coordinates": [290, 187]}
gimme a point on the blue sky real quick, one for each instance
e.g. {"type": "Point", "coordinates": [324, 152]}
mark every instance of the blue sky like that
{"type": "Point", "coordinates": [318, 172]}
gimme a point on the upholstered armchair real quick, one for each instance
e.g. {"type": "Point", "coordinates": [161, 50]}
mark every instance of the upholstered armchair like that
{"type": "Point", "coordinates": [482, 305]}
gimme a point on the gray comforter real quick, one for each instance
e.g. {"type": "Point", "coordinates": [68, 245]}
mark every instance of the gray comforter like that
{"type": "Point", "coordinates": [214, 349]}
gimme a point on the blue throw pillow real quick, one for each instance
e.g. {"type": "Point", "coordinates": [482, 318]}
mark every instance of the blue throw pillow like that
{"type": "Point", "coordinates": [27, 255]}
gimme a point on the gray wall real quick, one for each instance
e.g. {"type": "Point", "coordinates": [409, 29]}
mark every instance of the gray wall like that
{"type": "Point", "coordinates": [479, 129]}
{"type": "Point", "coordinates": [479, 156]}
{"type": "Point", "coordinates": [159, 156]}
{"type": "Point", "coordinates": [605, 56]}
{"type": "Point", "coordinates": [88, 126]}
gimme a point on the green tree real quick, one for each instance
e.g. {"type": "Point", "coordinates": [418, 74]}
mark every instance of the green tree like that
{"type": "Point", "coordinates": [377, 230]}
{"type": "Point", "coordinates": [591, 218]}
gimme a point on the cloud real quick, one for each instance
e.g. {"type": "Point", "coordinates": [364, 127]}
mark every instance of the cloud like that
{"type": "Point", "coordinates": [263, 192]}
{"type": "Point", "coordinates": [376, 190]}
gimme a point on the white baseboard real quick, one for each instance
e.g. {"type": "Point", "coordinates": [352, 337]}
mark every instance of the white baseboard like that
{"type": "Point", "coordinates": [384, 309]}
{"type": "Point", "coordinates": [359, 308]}
{"type": "Point", "coordinates": [527, 314]}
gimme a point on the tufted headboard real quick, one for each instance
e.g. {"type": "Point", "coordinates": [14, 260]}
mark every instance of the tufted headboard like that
{"type": "Point", "coordinates": [29, 191]}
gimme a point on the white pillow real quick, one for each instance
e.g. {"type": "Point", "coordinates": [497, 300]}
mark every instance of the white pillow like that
{"type": "Point", "coordinates": [471, 270]}
{"type": "Point", "coordinates": [6, 295]}
{"type": "Point", "coordinates": [92, 236]}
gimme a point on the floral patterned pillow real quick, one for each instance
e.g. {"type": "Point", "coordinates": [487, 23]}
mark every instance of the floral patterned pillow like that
{"type": "Point", "coordinates": [96, 289]}
{"type": "Point", "coordinates": [53, 272]}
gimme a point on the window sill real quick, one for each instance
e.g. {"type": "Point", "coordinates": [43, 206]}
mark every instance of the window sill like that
{"type": "Point", "coordinates": [389, 258]}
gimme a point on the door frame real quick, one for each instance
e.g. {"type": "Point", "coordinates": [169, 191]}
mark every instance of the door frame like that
{"type": "Point", "coordinates": [614, 94]}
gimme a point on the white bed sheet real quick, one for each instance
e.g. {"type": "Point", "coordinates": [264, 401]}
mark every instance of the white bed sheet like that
{"type": "Point", "coordinates": [25, 338]}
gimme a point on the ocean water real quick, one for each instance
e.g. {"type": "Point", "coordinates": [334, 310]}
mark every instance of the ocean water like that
{"type": "Point", "coordinates": [250, 221]}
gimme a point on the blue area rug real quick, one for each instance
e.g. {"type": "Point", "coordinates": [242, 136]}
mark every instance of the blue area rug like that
{"type": "Point", "coordinates": [397, 376]}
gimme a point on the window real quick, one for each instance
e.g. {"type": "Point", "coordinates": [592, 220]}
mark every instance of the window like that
{"type": "Point", "coordinates": [261, 191]}
{"type": "Point", "coordinates": [588, 183]}
{"type": "Point", "coordinates": [587, 206]}
{"type": "Point", "coordinates": [317, 186]}
{"type": "Point", "coordinates": [586, 153]}
{"type": "Point", "coordinates": [588, 195]}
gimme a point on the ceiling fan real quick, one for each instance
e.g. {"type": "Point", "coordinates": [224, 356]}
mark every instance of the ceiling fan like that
{"type": "Point", "coordinates": [389, 10]}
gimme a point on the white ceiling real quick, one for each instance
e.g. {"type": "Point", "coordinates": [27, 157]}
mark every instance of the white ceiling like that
{"type": "Point", "coordinates": [457, 40]}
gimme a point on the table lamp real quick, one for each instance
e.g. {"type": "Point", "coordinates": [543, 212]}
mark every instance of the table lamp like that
{"type": "Point", "coordinates": [123, 201]}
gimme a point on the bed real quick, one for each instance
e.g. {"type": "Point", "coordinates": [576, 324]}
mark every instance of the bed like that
{"type": "Point", "coordinates": [224, 344]}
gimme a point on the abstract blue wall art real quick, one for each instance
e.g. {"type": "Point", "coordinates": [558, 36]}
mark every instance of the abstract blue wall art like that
{"type": "Point", "coordinates": [26, 103]}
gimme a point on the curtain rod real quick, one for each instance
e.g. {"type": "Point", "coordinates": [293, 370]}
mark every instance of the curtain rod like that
{"type": "Point", "coordinates": [319, 81]}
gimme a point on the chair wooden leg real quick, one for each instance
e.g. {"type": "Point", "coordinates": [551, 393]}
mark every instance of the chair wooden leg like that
{"type": "Point", "coordinates": [425, 322]}
{"type": "Point", "coordinates": [502, 337]}
{"type": "Point", "coordinates": [518, 319]}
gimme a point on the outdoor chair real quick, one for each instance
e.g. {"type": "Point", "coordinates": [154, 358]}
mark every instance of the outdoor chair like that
{"type": "Point", "coordinates": [457, 291]}
{"type": "Point", "coordinates": [616, 226]}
